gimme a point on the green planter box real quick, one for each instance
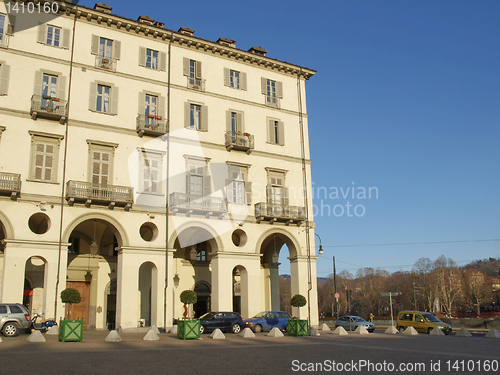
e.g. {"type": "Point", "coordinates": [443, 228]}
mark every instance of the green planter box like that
{"type": "Point", "coordinates": [70, 330]}
{"type": "Point", "coordinates": [188, 329]}
{"type": "Point", "coordinates": [297, 327]}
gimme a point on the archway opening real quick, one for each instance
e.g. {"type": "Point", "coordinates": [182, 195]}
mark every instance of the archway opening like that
{"type": "Point", "coordinates": [146, 284]}
{"type": "Point", "coordinates": [202, 305]}
{"type": "Point", "coordinates": [34, 285]}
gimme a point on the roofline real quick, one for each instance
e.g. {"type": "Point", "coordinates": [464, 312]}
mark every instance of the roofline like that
{"type": "Point", "coordinates": [156, 32]}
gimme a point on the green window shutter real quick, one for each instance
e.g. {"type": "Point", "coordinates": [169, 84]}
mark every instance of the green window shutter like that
{"type": "Point", "coordinates": [226, 77]}
{"type": "Point", "coordinates": [243, 81]}
{"type": "Point", "coordinates": [4, 80]}
{"type": "Point", "coordinates": [204, 118]}
{"type": "Point", "coordinates": [117, 47]}
{"type": "Point", "coordinates": [65, 38]}
{"type": "Point", "coordinates": [279, 89]}
{"type": "Point", "coordinates": [114, 100]}
{"type": "Point", "coordinates": [61, 87]}
{"type": "Point", "coordinates": [94, 50]}
{"type": "Point", "coordinates": [187, 113]}
{"type": "Point", "coordinates": [198, 69]}
{"type": "Point", "coordinates": [248, 192]}
{"type": "Point", "coordinates": [186, 66]}
{"type": "Point", "coordinates": [161, 107]}
{"type": "Point", "coordinates": [142, 103]}
{"type": "Point", "coordinates": [38, 83]}
{"type": "Point", "coordinates": [12, 22]}
{"type": "Point", "coordinates": [163, 61]}
{"type": "Point", "coordinates": [281, 133]}
{"type": "Point", "coordinates": [142, 56]}
{"type": "Point", "coordinates": [93, 96]}
{"type": "Point", "coordinates": [263, 85]}
{"type": "Point", "coordinates": [42, 33]}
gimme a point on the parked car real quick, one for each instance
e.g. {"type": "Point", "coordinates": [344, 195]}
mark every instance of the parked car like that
{"type": "Point", "coordinates": [225, 321]}
{"type": "Point", "coordinates": [351, 322]}
{"type": "Point", "coordinates": [267, 320]}
{"type": "Point", "coordinates": [13, 317]}
{"type": "Point", "coordinates": [422, 322]}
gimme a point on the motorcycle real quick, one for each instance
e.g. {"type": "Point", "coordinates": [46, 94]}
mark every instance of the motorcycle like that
{"type": "Point", "coordinates": [43, 326]}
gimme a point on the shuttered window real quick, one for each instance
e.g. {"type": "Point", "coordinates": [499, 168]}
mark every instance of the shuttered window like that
{"type": "Point", "coordinates": [151, 173]}
{"type": "Point", "coordinates": [235, 79]}
{"type": "Point", "coordinates": [106, 48]}
{"type": "Point", "coordinates": [101, 167]}
{"type": "Point", "coordinates": [273, 91]}
{"type": "Point", "coordinates": [55, 36]}
{"type": "Point", "coordinates": [275, 132]}
{"type": "Point", "coordinates": [103, 98]}
{"type": "Point", "coordinates": [239, 189]}
{"type": "Point", "coordinates": [44, 161]}
{"type": "Point", "coordinates": [152, 59]}
{"type": "Point", "coordinates": [4, 79]}
{"type": "Point", "coordinates": [196, 116]}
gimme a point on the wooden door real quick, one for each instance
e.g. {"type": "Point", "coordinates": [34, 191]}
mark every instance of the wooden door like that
{"type": "Point", "coordinates": [80, 310]}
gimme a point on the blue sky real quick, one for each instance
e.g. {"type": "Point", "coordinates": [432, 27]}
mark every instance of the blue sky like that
{"type": "Point", "coordinates": [406, 99]}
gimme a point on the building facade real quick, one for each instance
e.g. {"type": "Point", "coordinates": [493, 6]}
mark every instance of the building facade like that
{"type": "Point", "coordinates": [103, 120]}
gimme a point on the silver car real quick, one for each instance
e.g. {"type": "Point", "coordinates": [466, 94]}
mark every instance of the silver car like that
{"type": "Point", "coordinates": [351, 322]}
{"type": "Point", "coordinates": [13, 317]}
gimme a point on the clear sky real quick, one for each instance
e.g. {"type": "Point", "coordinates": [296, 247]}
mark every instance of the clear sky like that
{"type": "Point", "coordinates": [406, 100]}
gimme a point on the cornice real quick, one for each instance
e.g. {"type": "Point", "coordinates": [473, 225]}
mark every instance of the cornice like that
{"type": "Point", "coordinates": [159, 33]}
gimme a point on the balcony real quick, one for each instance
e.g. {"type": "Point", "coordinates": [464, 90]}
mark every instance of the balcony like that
{"type": "Point", "coordinates": [107, 63]}
{"type": "Point", "coordinates": [90, 193]}
{"type": "Point", "coordinates": [195, 204]}
{"type": "Point", "coordinates": [151, 125]}
{"type": "Point", "coordinates": [10, 183]}
{"type": "Point", "coordinates": [4, 40]}
{"type": "Point", "coordinates": [196, 84]}
{"type": "Point", "coordinates": [239, 141]}
{"type": "Point", "coordinates": [48, 107]}
{"type": "Point", "coordinates": [277, 212]}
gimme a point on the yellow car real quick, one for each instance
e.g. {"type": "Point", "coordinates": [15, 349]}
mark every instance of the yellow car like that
{"type": "Point", "coordinates": [422, 322]}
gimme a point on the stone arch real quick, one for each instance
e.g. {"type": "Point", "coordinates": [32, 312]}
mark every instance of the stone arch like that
{"type": "Point", "coordinates": [212, 238]}
{"type": "Point", "coordinates": [121, 233]}
{"type": "Point", "coordinates": [286, 237]}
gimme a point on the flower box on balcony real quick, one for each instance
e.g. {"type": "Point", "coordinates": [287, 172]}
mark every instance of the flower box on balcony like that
{"type": "Point", "coordinates": [158, 117]}
{"type": "Point", "coordinates": [104, 67]}
{"type": "Point", "coordinates": [151, 116]}
{"type": "Point", "coordinates": [246, 134]}
{"type": "Point", "coordinates": [105, 61]}
{"type": "Point", "coordinates": [56, 99]}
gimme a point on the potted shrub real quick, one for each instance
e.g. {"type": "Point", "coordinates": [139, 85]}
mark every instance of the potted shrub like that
{"type": "Point", "coordinates": [188, 328]}
{"type": "Point", "coordinates": [69, 329]}
{"type": "Point", "coordinates": [298, 327]}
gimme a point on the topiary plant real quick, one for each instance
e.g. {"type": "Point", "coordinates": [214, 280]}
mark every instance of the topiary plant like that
{"type": "Point", "coordinates": [187, 298]}
{"type": "Point", "coordinates": [298, 300]}
{"type": "Point", "coordinates": [71, 296]}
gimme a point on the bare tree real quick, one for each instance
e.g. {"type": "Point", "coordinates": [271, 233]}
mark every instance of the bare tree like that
{"type": "Point", "coordinates": [475, 291]}
{"type": "Point", "coordinates": [425, 286]}
{"type": "Point", "coordinates": [449, 283]}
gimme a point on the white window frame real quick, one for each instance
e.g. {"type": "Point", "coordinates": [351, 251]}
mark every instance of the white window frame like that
{"type": "Point", "coordinates": [273, 91]}
{"type": "Point", "coordinates": [105, 96]}
{"type": "Point", "coordinates": [102, 148]}
{"type": "Point", "coordinates": [195, 116]}
{"type": "Point", "coordinates": [147, 159]}
{"type": "Point", "coordinates": [57, 36]}
{"type": "Point", "coordinates": [112, 98]}
{"type": "Point", "coordinates": [201, 110]}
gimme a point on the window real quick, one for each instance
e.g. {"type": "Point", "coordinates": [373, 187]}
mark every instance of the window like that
{"type": "Point", "coordinates": [50, 86]}
{"type": "Point", "coordinates": [192, 69]}
{"type": "Point", "coordinates": [103, 98]}
{"type": "Point", "coordinates": [196, 116]}
{"type": "Point", "coordinates": [276, 193]}
{"type": "Point", "coordinates": [201, 254]}
{"type": "Point", "coordinates": [107, 51]}
{"type": "Point", "coordinates": [152, 59]}
{"type": "Point", "coordinates": [273, 91]}
{"type": "Point", "coordinates": [239, 189]}
{"type": "Point", "coordinates": [275, 132]}
{"type": "Point", "coordinates": [198, 181]}
{"type": "Point", "coordinates": [234, 122]}
{"type": "Point", "coordinates": [44, 155]}
{"type": "Point", "coordinates": [6, 29]}
{"type": "Point", "coordinates": [101, 155]}
{"type": "Point", "coordinates": [151, 172]}
{"type": "Point", "coordinates": [4, 78]}
{"type": "Point", "coordinates": [235, 79]}
{"type": "Point", "coordinates": [55, 36]}
{"type": "Point", "coordinates": [151, 109]}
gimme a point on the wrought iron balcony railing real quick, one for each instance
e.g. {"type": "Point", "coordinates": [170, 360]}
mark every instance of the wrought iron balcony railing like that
{"type": "Point", "coordinates": [279, 212]}
{"type": "Point", "coordinates": [151, 125]}
{"type": "Point", "coordinates": [196, 83]}
{"type": "Point", "coordinates": [108, 63]}
{"type": "Point", "coordinates": [239, 141]}
{"type": "Point", "coordinates": [10, 183]}
{"type": "Point", "coordinates": [49, 107]}
{"type": "Point", "coordinates": [89, 193]}
{"type": "Point", "coordinates": [204, 205]}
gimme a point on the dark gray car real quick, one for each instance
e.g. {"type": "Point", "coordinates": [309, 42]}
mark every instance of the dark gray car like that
{"type": "Point", "coordinates": [13, 317]}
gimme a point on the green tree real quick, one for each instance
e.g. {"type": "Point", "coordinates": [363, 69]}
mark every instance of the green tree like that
{"type": "Point", "coordinates": [71, 296]}
{"type": "Point", "coordinates": [188, 297]}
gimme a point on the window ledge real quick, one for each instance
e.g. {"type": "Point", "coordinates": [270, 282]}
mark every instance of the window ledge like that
{"type": "Point", "coordinates": [43, 182]}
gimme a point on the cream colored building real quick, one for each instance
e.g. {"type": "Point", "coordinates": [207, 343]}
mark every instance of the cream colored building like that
{"type": "Point", "coordinates": [96, 110]}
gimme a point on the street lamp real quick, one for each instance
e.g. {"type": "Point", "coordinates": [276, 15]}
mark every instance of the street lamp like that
{"type": "Point", "coordinates": [320, 251]}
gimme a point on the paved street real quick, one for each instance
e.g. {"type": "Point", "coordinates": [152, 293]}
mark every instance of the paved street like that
{"type": "Point", "coordinates": [259, 355]}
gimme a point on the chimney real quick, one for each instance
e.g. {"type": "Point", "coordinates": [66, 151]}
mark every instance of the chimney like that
{"type": "Point", "coordinates": [258, 51]}
{"type": "Point", "coordinates": [102, 7]}
{"type": "Point", "coordinates": [159, 24]}
{"type": "Point", "coordinates": [186, 30]}
{"type": "Point", "coordinates": [146, 19]}
{"type": "Point", "coordinates": [227, 42]}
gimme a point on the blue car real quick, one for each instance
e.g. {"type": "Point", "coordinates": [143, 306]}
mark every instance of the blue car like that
{"type": "Point", "coordinates": [267, 320]}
